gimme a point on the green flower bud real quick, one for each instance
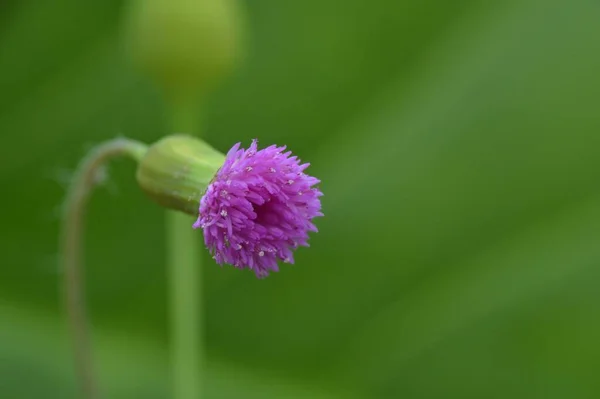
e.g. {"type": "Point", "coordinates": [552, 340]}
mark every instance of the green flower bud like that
{"type": "Point", "coordinates": [176, 171]}
{"type": "Point", "coordinates": [184, 45]}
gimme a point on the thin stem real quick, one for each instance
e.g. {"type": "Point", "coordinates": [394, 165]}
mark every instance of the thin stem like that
{"type": "Point", "coordinates": [186, 333]}
{"type": "Point", "coordinates": [185, 273]}
{"type": "Point", "coordinates": [71, 252]}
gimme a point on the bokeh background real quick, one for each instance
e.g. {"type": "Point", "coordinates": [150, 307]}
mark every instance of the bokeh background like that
{"type": "Point", "coordinates": [459, 147]}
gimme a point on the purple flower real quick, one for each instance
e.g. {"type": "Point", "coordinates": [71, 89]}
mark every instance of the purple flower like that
{"type": "Point", "coordinates": [259, 208]}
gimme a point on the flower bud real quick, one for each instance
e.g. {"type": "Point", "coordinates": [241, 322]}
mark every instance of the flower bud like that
{"type": "Point", "coordinates": [176, 171]}
{"type": "Point", "coordinates": [184, 45]}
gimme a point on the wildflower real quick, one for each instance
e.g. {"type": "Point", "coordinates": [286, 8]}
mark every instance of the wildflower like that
{"type": "Point", "coordinates": [259, 208]}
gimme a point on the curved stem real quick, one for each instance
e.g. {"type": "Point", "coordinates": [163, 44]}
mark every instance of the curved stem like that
{"type": "Point", "coordinates": [87, 176]}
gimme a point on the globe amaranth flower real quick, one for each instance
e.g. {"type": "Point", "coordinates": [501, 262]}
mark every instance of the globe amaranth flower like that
{"type": "Point", "coordinates": [259, 208]}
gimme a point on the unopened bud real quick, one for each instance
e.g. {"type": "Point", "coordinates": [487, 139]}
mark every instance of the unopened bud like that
{"type": "Point", "coordinates": [184, 45]}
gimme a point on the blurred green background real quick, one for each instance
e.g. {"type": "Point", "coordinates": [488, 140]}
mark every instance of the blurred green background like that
{"type": "Point", "coordinates": [459, 147]}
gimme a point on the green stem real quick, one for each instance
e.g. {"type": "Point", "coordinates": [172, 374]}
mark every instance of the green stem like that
{"type": "Point", "coordinates": [184, 268]}
{"type": "Point", "coordinates": [71, 252]}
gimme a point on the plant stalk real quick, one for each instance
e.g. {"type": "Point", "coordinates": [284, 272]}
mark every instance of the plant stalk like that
{"type": "Point", "coordinates": [87, 176]}
{"type": "Point", "coordinates": [185, 273]}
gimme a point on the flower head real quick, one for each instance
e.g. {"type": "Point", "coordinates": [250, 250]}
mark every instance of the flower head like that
{"type": "Point", "coordinates": [259, 208]}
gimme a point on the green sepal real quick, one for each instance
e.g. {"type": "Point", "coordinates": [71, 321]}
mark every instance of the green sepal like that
{"type": "Point", "coordinates": [176, 171]}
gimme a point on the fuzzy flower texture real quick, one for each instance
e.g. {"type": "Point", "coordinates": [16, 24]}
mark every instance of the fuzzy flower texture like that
{"type": "Point", "coordinates": [259, 208]}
